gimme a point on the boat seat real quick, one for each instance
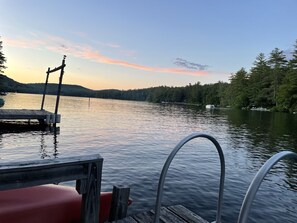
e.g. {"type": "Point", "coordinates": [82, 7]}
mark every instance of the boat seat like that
{"type": "Point", "coordinates": [47, 204]}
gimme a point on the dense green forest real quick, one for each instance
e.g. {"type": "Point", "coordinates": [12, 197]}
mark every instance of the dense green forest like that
{"type": "Point", "coordinates": [271, 83]}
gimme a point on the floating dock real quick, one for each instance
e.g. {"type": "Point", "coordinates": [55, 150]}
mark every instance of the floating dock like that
{"type": "Point", "coordinates": [43, 116]}
{"type": "Point", "coordinates": [176, 214]}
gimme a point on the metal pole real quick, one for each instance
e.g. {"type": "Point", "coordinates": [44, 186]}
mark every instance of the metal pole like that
{"type": "Point", "coordinates": [45, 86]}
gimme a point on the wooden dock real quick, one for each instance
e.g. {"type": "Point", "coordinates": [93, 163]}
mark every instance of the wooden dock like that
{"type": "Point", "coordinates": [42, 116]}
{"type": "Point", "coordinates": [172, 214]}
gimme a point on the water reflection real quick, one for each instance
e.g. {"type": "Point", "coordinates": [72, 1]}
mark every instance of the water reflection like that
{"type": "Point", "coordinates": [291, 175]}
{"type": "Point", "coordinates": [263, 134]}
{"type": "Point", "coordinates": [44, 153]}
{"type": "Point", "coordinates": [34, 129]}
{"type": "Point", "coordinates": [270, 132]}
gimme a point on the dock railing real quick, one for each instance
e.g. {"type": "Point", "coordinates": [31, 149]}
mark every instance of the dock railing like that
{"type": "Point", "coordinates": [168, 162]}
{"type": "Point", "coordinates": [256, 182]}
{"type": "Point", "coordinates": [86, 170]}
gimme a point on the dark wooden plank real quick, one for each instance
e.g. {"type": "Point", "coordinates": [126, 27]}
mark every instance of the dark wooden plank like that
{"type": "Point", "coordinates": [186, 214]}
{"type": "Point", "coordinates": [167, 216]}
{"type": "Point", "coordinates": [126, 220]}
{"type": "Point", "coordinates": [56, 69]}
{"type": "Point", "coordinates": [29, 173]}
{"type": "Point", "coordinates": [119, 204]}
{"type": "Point", "coordinates": [144, 217]}
{"type": "Point", "coordinates": [22, 112]}
{"type": "Point", "coordinates": [46, 175]}
{"type": "Point", "coordinates": [16, 166]}
{"type": "Point", "coordinates": [173, 214]}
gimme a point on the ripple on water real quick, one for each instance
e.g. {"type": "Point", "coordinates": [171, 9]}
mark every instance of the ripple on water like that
{"type": "Point", "coordinates": [135, 138]}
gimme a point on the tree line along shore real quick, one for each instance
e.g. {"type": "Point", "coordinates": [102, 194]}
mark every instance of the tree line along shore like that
{"type": "Point", "coordinates": [270, 84]}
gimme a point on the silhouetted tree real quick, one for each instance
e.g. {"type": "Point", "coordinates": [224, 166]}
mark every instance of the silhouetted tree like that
{"type": "Point", "coordinates": [2, 59]}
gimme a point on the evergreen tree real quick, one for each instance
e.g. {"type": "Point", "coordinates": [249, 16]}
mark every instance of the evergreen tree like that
{"type": "Point", "coordinates": [195, 93]}
{"type": "Point", "coordinates": [210, 94]}
{"type": "Point", "coordinates": [293, 62]}
{"type": "Point", "coordinates": [238, 88]}
{"type": "Point", "coordinates": [287, 97]}
{"type": "Point", "coordinates": [2, 59]}
{"type": "Point", "coordinates": [260, 81]}
{"type": "Point", "coordinates": [223, 89]}
{"type": "Point", "coordinates": [278, 63]}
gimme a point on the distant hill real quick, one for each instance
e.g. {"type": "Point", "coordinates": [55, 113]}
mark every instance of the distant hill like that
{"type": "Point", "coordinates": [9, 85]}
{"type": "Point", "coordinates": [67, 89]}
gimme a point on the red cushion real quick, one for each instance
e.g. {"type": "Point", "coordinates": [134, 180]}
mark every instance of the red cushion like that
{"type": "Point", "coordinates": [46, 204]}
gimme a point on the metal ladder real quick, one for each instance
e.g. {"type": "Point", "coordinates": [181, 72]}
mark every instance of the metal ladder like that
{"type": "Point", "coordinates": [168, 162]}
{"type": "Point", "coordinates": [255, 184]}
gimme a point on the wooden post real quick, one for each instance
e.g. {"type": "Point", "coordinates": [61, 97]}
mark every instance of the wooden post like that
{"type": "Point", "coordinates": [60, 85]}
{"type": "Point", "coordinates": [45, 86]}
{"type": "Point", "coordinates": [119, 203]}
{"type": "Point", "coordinates": [91, 196]}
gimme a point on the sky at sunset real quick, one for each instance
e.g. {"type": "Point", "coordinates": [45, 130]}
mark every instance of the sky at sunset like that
{"type": "Point", "coordinates": [128, 44]}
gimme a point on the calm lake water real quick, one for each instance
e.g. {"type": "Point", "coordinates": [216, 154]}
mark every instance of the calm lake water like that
{"type": "Point", "coordinates": [135, 138]}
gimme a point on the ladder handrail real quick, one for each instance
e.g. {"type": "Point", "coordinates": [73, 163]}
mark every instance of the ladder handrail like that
{"type": "Point", "coordinates": [168, 162]}
{"type": "Point", "coordinates": [256, 182]}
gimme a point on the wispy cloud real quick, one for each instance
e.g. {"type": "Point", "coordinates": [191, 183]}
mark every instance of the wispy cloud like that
{"type": "Point", "coordinates": [62, 46]}
{"type": "Point", "coordinates": [85, 36]}
{"type": "Point", "coordinates": [22, 43]}
{"type": "Point", "coordinates": [112, 45]}
{"type": "Point", "coordinates": [190, 65]}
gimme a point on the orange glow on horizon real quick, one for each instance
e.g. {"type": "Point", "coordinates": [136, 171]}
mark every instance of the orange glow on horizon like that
{"type": "Point", "coordinates": [60, 45]}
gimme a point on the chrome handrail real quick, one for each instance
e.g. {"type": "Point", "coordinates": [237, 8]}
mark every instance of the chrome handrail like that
{"type": "Point", "coordinates": [168, 162]}
{"type": "Point", "coordinates": [255, 184]}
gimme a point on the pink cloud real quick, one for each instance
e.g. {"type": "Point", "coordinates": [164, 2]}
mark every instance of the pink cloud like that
{"type": "Point", "coordinates": [62, 46]}
{"type": "Point", "coordinates": [93, 55]}
{"type": "Point", "coordinates": [23, 43]}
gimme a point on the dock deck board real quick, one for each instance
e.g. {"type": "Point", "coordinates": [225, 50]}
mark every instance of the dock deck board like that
{"type": "Point", "coordinates": [18, 114]}
{"type": "Point", "coordinates": [172, 214]}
